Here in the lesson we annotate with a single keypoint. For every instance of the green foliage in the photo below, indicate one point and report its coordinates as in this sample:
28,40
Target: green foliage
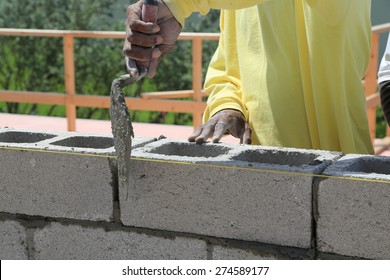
381,124
35,63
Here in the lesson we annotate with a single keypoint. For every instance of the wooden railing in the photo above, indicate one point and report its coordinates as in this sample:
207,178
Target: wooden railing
162,101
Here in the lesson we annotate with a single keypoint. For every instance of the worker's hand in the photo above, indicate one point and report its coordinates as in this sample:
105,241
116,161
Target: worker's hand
149,41
225,121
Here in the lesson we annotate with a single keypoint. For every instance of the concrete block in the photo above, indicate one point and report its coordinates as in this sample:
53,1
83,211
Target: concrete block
67,175
354,208
58,241
86,143
231,191
12,241
21,137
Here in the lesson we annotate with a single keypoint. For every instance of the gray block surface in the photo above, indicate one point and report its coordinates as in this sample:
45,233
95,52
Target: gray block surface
228,253
223,192
67,175
57,241
12,241
56,185
239,250
354,208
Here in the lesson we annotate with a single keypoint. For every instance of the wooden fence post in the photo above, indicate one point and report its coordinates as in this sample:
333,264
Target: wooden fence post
70,83
197,77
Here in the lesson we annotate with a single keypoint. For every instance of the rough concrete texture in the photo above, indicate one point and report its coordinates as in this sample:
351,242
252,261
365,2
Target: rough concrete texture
57,241
219,195
227,253
354,208
56,141
12,241
121,126
60,185
239,250
68,175
85,143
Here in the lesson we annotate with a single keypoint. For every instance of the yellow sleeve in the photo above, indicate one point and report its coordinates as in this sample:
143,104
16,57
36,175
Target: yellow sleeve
333,11
182,9
223,82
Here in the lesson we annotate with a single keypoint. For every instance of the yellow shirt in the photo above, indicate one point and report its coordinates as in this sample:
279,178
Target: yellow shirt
293,68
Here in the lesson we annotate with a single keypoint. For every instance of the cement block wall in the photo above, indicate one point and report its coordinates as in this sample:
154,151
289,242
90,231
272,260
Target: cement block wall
60,199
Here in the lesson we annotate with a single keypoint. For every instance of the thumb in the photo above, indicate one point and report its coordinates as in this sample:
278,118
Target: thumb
247,137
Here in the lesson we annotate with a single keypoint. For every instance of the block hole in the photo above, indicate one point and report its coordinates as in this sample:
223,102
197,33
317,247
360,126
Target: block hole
23,137
291,158
370,165
190,150
86,142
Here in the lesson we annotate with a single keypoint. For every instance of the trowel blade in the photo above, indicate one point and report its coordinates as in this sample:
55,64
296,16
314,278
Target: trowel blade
121,126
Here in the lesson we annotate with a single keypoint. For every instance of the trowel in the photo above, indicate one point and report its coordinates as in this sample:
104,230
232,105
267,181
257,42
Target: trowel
121,126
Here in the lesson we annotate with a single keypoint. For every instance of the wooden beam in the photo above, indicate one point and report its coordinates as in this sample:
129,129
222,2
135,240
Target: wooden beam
197,82
33,97
170,94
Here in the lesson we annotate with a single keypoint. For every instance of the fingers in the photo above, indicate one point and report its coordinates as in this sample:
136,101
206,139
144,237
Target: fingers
144,40
153,64
140,41
202,133
215,128
247,138
231,121
195,134
134,21
137,25
220,129
140,53
246,135
147,41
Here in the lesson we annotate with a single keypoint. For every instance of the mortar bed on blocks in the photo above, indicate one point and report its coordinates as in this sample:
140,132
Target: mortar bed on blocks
98,126
104,127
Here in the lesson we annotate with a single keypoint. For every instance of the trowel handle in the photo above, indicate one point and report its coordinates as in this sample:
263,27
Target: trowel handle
149,14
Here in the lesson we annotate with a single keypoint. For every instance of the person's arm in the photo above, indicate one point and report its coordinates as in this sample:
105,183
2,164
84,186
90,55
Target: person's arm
384,82
225,111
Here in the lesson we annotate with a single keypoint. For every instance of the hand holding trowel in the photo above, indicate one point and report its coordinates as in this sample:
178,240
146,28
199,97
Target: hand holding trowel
122,128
